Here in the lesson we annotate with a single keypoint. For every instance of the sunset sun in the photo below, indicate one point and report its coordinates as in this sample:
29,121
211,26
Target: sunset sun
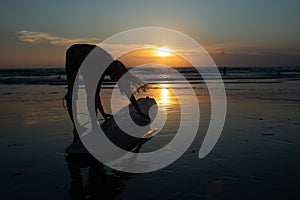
164,52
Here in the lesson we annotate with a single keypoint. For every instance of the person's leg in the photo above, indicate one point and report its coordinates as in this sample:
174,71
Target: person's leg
74,58
92,94
71,71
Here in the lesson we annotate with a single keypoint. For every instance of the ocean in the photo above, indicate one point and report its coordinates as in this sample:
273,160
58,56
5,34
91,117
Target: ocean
57,76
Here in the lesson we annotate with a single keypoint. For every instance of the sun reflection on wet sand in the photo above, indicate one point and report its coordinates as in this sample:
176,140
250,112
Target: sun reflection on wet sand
164,96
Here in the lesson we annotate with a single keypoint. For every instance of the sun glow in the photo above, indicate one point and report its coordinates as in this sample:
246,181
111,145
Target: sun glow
164,52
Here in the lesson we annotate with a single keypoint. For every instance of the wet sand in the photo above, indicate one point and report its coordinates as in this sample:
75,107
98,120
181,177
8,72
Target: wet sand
256,157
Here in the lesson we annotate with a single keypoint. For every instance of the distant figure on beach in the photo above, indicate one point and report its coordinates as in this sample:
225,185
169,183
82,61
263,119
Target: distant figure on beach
75,55
224,70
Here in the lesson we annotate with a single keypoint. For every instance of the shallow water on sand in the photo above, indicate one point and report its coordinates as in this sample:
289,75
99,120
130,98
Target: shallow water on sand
257,155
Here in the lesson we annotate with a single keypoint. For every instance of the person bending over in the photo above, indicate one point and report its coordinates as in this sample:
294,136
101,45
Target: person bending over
75,55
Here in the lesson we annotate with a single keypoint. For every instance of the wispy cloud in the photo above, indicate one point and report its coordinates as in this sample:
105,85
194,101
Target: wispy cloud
40,37
238,48
248,48
253,48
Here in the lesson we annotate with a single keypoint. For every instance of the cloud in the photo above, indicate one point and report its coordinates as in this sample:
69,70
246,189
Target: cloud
40,37
237,48
245,48
254,48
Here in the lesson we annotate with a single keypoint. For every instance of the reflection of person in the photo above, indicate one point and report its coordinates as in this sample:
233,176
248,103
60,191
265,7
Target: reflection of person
75,55
100,184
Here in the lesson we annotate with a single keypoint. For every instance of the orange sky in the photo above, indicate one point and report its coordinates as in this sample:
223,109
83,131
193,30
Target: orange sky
145,56
234,33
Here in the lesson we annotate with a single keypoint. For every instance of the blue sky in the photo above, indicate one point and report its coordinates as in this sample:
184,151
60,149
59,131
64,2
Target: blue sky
256,32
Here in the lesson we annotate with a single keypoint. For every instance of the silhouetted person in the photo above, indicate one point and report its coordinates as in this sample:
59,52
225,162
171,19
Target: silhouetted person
279,72
75,55
224,71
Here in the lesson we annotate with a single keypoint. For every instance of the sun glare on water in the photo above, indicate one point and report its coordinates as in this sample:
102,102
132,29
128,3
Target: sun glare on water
164,52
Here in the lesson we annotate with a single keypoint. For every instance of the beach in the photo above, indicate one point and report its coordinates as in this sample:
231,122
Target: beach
257,155
138,100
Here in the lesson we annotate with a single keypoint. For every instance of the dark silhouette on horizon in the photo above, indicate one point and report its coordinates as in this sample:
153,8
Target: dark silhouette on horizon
224,71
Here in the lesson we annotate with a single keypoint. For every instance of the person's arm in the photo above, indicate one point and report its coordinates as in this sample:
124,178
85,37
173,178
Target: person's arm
116,71
135,105
98,100
138,109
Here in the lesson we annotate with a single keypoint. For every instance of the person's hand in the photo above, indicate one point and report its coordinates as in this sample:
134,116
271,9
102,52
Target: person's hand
107,116
144,116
